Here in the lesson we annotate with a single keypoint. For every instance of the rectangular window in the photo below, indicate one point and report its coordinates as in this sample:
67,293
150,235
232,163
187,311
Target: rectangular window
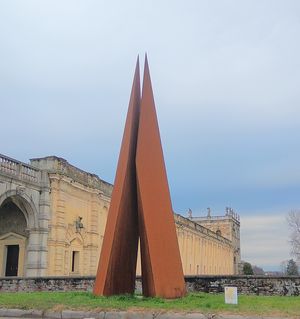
75,261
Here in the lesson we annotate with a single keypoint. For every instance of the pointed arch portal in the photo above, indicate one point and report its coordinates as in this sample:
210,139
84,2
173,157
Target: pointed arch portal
140,209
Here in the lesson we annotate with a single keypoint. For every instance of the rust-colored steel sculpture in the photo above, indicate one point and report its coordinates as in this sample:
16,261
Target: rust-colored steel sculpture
117,264
162,273
141,208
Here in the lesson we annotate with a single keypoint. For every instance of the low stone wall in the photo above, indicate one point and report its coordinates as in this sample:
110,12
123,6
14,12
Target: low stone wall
253,285
258,285
12,284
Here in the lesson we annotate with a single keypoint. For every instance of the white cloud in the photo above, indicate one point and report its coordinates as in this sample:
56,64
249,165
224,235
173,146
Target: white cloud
264,240
225,77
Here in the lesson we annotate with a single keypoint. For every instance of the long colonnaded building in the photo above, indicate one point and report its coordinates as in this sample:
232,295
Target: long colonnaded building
53,216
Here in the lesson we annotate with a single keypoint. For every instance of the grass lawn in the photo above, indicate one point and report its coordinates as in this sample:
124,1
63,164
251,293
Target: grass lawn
194,302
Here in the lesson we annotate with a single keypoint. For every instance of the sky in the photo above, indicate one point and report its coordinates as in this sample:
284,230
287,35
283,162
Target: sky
225,76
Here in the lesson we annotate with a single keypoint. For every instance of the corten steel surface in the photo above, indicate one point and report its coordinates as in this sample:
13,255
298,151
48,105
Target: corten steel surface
141,207
162,273
117,264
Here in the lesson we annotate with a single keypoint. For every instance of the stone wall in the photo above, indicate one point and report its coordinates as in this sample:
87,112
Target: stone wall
253,285
13,284
257,285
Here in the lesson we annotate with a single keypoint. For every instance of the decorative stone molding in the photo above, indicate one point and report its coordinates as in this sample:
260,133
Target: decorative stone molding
60,166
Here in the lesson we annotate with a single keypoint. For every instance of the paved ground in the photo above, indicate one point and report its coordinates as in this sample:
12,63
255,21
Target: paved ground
67,314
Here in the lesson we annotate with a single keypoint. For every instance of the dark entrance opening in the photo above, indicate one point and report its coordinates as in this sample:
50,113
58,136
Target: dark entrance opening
12,260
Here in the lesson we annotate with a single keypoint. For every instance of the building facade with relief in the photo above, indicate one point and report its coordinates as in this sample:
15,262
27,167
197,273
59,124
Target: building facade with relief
53,216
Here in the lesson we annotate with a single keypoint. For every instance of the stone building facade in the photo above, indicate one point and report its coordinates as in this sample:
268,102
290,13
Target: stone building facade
24,219
227,226
53,216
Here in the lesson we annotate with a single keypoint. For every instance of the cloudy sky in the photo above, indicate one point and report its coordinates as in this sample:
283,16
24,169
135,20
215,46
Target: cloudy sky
226,78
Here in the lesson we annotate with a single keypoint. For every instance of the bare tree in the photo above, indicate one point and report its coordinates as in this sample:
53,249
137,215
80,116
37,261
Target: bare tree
293,220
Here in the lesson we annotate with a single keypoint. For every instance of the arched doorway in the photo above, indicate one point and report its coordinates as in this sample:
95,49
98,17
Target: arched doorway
13,239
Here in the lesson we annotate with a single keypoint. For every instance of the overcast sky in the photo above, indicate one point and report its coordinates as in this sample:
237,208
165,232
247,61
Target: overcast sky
225,76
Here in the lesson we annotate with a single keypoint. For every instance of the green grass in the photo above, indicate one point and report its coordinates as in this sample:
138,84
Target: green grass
194,302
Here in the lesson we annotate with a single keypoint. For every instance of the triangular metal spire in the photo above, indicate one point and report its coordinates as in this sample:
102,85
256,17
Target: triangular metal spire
117,264
162,273
141,207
